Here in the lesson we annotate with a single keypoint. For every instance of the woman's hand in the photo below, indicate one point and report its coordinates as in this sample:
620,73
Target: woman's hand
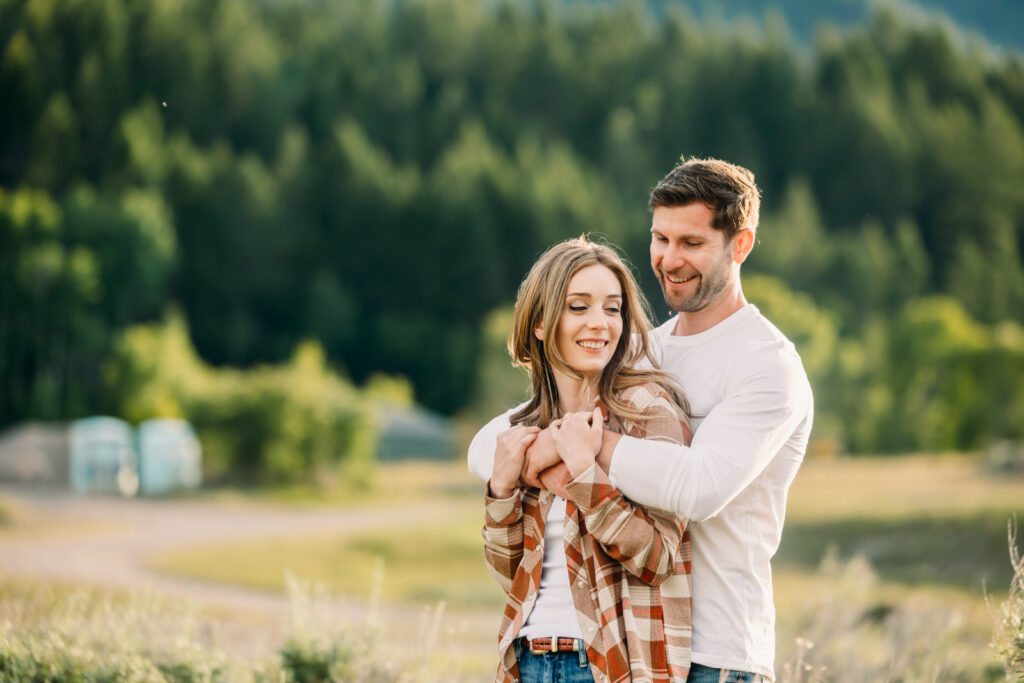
509,456
577,439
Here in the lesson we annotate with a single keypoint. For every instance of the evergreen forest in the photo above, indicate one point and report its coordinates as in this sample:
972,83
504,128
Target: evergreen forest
235,195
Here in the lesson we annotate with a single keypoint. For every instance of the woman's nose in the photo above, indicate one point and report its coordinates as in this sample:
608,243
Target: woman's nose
597,320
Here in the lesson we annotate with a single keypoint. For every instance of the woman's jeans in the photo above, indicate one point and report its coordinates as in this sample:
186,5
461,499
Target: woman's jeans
553,667
705,674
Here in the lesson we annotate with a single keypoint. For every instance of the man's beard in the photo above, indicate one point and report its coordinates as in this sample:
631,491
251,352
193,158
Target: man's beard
710,286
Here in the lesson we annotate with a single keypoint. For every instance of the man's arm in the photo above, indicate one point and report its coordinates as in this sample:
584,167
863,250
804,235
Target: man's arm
733,445
481,450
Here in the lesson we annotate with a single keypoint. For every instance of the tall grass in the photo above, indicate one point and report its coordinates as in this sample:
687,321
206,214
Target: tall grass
83,636
851,630
1008,632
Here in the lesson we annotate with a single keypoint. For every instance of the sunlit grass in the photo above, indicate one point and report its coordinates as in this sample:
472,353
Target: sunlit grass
900,487
6,513
421,562
879,577
919,520
383,484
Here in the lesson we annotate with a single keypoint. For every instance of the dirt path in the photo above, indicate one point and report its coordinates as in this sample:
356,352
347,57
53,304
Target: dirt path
106,542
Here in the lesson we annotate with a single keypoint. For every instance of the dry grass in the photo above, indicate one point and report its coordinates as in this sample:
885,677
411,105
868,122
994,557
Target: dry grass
879,577
1008,631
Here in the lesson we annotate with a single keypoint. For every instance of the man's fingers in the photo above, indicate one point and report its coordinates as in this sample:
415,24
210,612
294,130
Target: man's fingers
531,478
556,478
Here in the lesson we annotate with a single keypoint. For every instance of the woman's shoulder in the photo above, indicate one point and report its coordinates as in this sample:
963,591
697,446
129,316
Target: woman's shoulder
643,396
663,419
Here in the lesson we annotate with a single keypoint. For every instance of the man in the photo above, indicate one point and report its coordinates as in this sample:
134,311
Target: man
752,410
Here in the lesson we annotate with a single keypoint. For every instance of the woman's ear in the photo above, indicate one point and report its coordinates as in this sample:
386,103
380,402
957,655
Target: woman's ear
538,331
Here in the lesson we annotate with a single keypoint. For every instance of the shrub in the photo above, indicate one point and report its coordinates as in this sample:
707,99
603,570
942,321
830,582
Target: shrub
272,423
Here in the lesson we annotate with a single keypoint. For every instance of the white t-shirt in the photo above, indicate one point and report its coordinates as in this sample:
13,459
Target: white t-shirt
553,613
752,408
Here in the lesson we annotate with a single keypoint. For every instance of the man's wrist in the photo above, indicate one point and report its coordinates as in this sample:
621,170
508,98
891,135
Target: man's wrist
608,443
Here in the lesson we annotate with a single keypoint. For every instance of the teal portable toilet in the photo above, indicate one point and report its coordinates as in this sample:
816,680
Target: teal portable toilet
101,457
170,457
414,433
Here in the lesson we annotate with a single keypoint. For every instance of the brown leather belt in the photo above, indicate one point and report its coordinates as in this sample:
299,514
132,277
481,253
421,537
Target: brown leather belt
543,646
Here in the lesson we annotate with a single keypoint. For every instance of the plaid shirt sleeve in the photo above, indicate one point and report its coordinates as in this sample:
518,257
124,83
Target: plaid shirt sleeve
503,536
644,542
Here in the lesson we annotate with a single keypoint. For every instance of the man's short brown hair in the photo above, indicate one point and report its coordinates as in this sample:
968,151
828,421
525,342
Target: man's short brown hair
727,189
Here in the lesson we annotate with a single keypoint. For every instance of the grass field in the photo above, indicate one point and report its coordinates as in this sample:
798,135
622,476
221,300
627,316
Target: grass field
881,576
884,563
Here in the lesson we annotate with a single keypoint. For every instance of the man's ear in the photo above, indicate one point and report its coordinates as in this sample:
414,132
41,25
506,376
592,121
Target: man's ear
742,244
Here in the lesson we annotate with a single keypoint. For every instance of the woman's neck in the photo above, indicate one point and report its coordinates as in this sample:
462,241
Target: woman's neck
575,394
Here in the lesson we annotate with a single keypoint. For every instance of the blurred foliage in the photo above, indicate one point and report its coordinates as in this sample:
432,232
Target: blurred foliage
379,176
281,423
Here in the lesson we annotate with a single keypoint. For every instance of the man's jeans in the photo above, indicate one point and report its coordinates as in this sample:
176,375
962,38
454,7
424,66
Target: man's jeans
705,674
553,667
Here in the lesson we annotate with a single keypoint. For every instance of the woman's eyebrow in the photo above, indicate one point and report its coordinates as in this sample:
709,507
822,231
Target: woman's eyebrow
588,295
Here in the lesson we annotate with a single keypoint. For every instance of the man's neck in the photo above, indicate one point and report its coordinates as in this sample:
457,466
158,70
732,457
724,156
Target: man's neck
696,322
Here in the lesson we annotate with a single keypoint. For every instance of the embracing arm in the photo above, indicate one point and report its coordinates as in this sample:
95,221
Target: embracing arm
735,443
481,450
645,543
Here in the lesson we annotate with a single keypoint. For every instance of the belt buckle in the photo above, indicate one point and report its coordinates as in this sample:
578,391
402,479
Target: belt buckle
553,647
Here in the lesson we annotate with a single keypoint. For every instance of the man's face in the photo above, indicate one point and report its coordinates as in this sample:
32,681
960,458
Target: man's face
693,263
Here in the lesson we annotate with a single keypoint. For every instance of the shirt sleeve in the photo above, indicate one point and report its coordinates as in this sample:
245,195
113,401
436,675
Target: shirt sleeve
481,450
733,445
503,537
644,542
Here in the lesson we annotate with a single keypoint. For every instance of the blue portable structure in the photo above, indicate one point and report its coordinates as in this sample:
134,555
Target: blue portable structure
170,457
414,433
102,459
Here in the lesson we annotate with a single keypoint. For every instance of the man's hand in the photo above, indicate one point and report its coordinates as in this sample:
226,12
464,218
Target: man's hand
555,478
540,455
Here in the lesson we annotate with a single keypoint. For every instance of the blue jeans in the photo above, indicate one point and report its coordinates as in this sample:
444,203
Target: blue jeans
553,667
705,674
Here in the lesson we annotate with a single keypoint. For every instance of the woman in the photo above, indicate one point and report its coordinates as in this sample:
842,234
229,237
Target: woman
598,588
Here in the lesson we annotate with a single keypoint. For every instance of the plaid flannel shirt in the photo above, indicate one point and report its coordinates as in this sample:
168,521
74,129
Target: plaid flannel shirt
629,567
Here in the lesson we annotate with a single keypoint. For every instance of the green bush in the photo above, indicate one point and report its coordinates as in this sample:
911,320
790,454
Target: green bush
281,423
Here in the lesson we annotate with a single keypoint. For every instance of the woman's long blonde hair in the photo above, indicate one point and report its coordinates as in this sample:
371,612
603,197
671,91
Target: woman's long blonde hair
541,301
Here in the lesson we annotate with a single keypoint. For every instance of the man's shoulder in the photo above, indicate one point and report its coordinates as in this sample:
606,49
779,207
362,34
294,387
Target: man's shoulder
763,342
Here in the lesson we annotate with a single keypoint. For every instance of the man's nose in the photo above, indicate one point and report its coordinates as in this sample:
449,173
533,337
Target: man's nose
673,258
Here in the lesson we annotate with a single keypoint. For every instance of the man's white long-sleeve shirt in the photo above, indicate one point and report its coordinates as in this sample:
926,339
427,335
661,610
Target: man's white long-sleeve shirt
752,409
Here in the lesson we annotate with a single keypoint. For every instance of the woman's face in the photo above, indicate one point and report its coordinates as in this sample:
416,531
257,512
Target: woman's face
591,321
